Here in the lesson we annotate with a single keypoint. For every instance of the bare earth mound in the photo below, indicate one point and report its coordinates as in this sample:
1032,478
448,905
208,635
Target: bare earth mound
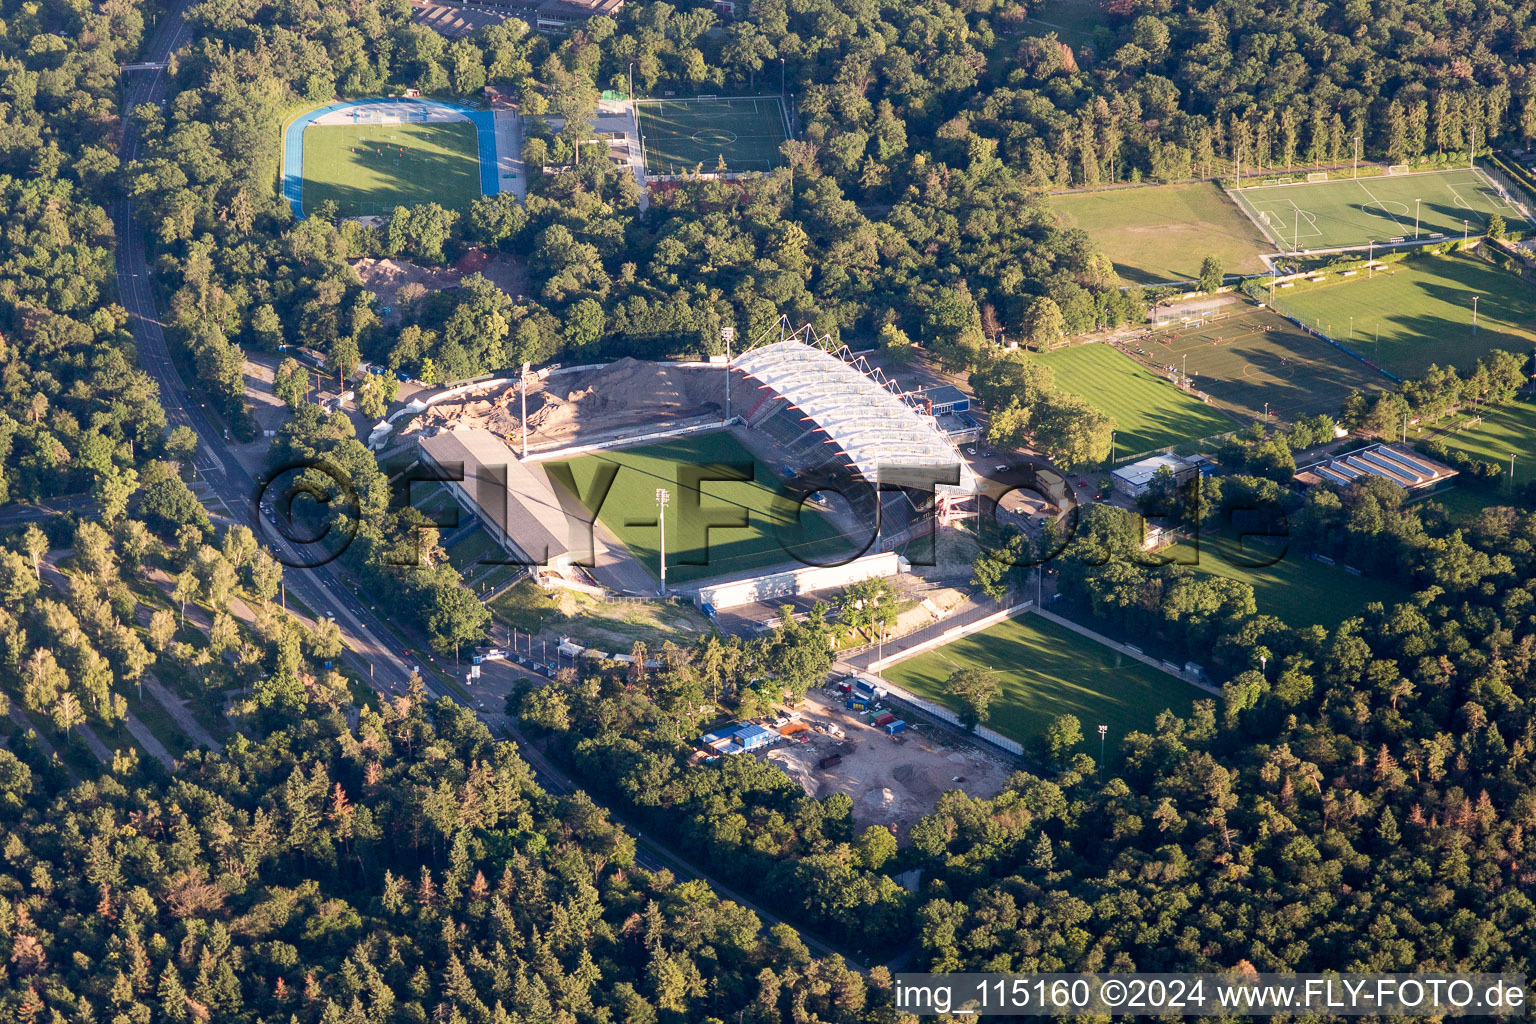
629,395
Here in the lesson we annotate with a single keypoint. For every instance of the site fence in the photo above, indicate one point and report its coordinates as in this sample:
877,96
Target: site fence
947,716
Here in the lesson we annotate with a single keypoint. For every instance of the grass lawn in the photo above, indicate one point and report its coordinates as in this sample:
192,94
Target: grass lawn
1423,309
1162,232
529,608
1149,413
1508,430
1257,360
1300,590
1047,670
764,532
1511,429
525,606
680,134
373,168
1329,214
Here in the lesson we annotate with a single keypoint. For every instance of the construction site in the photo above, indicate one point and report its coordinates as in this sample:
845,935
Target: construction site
585,405
891,779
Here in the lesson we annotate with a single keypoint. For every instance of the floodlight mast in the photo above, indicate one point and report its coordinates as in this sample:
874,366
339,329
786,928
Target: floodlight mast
727,335
663,497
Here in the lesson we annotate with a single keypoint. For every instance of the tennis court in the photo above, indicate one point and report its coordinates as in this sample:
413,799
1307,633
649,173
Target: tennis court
1257,358
679,135
1393,208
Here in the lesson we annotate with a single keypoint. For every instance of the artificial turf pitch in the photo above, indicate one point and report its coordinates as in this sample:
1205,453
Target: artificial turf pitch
1256,360
771,538
1149,413
370,169
1162,233
1047,670
682,134
1357,211
1422,308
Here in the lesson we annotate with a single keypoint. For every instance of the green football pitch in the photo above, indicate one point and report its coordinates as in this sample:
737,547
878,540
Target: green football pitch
1391,208
1286,582
1047,670
771,536
371,169
1163,232
1149,413
1422,309
1255,363
679,135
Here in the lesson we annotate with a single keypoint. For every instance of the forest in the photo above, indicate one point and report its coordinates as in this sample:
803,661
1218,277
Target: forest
1356,798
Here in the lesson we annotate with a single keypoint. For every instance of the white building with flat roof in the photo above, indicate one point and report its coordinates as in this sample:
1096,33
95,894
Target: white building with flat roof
1133,480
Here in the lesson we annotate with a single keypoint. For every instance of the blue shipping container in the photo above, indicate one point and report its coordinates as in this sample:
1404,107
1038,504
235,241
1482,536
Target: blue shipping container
895,727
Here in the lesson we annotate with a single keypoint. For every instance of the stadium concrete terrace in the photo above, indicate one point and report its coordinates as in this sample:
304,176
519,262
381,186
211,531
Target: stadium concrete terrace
871,425
385,110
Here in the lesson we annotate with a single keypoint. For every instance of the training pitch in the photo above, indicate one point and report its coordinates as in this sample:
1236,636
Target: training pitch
1150,413
771,537
370,169
1287,582
1047,670
679,135
1392,208
1247,359
1422,308
1163,232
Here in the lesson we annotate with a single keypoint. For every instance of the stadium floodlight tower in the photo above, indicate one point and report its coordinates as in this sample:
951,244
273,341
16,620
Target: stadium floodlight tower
727,335
663,497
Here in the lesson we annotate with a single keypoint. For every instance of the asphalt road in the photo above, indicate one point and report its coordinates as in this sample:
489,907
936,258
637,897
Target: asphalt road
15,515
372,649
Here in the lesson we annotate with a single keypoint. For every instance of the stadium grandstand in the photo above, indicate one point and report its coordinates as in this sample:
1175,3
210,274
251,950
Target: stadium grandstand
837,418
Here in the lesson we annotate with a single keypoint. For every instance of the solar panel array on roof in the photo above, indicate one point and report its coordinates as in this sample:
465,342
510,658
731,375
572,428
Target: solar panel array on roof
1414,464
1402,474
1379,460
1328,473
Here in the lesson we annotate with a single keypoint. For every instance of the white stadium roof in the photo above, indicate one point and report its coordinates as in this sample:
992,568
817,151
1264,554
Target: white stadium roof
869,423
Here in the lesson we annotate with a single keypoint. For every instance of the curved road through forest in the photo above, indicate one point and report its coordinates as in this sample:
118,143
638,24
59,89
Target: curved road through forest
373,650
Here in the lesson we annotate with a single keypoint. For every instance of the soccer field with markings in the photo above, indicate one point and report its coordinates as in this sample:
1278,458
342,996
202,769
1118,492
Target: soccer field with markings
1149,412
774,529
1047,670
1419,312
373,168
1391,208
681,134
1256,359
1161,233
